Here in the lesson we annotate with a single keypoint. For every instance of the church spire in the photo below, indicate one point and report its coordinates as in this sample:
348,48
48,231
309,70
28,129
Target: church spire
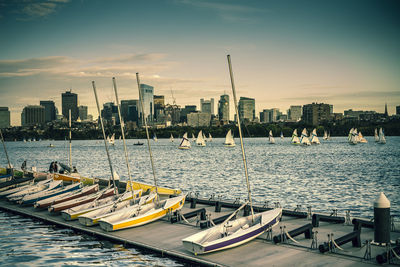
386,112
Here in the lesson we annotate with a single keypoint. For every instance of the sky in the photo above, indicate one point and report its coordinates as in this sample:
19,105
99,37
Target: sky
343,52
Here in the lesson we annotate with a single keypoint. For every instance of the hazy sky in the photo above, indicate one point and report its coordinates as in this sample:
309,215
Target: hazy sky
345,53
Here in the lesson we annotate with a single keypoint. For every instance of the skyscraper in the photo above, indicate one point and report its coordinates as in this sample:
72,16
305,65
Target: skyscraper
266,116
83,112
294,113
129,110
247,108
109,113
147,93
70,102
159,106
4,117
32,115
223,108
207,106
49,110
315,113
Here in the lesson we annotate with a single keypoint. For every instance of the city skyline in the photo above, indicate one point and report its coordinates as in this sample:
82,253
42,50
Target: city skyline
344,53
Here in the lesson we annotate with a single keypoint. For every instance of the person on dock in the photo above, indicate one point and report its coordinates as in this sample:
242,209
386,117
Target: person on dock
51,168
23,166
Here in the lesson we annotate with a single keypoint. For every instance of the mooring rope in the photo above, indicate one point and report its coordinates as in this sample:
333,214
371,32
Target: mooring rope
288,235
394,253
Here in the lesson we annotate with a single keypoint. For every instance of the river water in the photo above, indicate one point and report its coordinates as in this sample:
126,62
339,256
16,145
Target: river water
333,175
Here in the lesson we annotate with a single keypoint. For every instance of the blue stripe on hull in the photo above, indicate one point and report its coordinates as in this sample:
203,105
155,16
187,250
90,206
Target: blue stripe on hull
240,238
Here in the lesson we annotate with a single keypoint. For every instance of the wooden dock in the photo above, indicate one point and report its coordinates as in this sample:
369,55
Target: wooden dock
164,238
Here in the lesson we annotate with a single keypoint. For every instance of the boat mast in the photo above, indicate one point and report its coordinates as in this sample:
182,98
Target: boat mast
5,149
147,135
241,137
105,140
123,135
70,144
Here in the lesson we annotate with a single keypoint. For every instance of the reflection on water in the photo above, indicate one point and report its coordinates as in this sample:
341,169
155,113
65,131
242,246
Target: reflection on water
24,241
333,175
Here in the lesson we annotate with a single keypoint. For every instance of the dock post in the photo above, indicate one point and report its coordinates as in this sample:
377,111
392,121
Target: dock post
382,219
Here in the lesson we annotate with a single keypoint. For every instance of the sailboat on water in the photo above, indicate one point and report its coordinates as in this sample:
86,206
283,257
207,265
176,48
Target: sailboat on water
361,138
193,138
171,138
232,233
229,141
382,139
304,138
295,138
155,139
314,137
282,135
185,143
376,136
271,138
325,135
353,137
200,139
111,140
209,138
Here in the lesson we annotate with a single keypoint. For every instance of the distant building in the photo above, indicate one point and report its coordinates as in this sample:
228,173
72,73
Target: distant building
356,114
207,106
109,113
32,115
147,93
185,111
247,108
49,110
4,117
315,113
223,108
397,110
172,114
70,102
159,105
294,113
266,116
129,110
83,113
198,119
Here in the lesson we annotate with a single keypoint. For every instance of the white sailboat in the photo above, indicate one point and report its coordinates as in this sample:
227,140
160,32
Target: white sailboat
271,138
304,138
295,138
361,138
185,143
111,140
229,141
232,233
282,135
325,135
155,139
382,139
193,138
209,138
171,138
200,139
376,136
353,136
314,137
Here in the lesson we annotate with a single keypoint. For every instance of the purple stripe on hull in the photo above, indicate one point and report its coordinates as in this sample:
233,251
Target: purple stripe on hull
240,238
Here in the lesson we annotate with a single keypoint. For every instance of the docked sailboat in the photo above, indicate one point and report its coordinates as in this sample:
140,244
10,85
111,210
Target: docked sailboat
295,138
376,136
185,143
382,139
31,199
50,184
361,138
147,213
314,138
200,139
271,138
232,233
229,141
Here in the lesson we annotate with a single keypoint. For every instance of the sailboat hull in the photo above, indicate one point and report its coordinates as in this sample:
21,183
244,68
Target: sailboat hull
225,240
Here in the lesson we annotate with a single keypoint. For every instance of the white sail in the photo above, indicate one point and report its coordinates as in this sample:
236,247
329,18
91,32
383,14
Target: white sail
111,140
314,137
200,139
185,143
171,138
361,138
353,136
271,138
295,138
304,139
229,141
376,135
193,138
209,138
155,137
282,135
382,139
325,135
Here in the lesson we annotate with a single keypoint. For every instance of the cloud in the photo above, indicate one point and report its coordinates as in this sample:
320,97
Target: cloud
31,9
128,58
228,11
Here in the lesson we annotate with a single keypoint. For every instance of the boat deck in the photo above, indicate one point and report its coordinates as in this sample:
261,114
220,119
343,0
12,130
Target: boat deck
164,237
